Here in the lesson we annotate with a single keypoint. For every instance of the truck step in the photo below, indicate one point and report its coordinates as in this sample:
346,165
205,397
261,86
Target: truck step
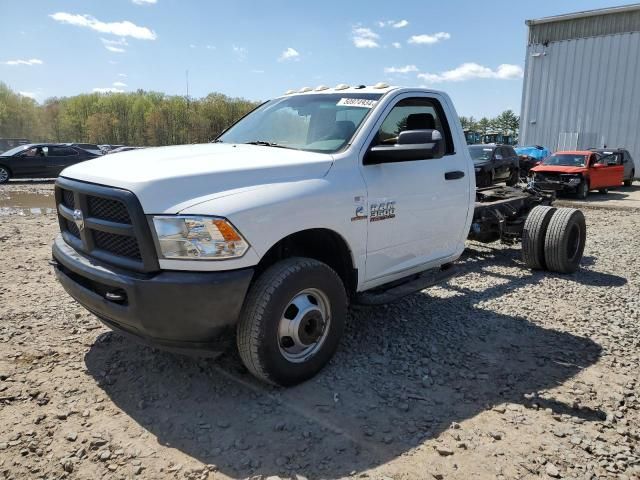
413,284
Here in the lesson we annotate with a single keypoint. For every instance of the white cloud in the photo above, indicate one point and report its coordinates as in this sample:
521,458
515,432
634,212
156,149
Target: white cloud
116,46
289,54
211,47
364,37
123,75
257,71
31,62
405,69
396,45
468,71
108,90
121,29
426,39
240,52
28,94
145,2
119,84
393,23
192,45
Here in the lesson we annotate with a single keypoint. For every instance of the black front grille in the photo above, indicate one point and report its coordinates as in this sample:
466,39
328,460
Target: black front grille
118,244
72,228
107,209
113,229
68,200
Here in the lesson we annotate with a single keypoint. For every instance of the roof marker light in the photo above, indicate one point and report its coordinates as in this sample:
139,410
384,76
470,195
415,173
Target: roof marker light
305,89
289,92
381,85
320,88
341,86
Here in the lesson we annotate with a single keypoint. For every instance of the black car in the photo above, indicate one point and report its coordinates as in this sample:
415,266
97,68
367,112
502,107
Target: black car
622,157
40,160
495,163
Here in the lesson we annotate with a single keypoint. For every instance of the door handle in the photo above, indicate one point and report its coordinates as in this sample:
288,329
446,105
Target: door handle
455,175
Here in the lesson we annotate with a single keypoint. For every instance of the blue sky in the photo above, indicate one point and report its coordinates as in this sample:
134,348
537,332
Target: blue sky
258,49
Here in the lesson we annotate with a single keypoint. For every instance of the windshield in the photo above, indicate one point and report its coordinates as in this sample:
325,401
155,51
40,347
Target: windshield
317,123
480,154
565,160
15,150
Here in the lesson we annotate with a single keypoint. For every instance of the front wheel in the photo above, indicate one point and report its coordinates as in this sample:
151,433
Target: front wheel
603,191
292,321
583,189
629,182
4,175
514,177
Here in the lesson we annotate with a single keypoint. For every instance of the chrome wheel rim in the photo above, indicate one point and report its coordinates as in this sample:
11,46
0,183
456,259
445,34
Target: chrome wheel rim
304,325
4,175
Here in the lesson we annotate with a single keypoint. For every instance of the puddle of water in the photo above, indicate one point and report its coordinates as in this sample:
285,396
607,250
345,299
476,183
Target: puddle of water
26,203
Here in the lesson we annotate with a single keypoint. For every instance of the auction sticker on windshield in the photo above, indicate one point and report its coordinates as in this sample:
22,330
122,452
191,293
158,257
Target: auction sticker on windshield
357,102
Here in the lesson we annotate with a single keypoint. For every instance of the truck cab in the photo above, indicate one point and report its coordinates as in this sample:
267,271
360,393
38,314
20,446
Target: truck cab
314,200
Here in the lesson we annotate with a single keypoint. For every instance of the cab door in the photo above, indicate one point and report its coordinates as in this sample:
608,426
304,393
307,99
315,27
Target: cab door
59,158
607,171
417,210
30,163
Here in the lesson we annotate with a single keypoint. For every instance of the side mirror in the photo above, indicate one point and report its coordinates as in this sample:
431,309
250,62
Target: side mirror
412,145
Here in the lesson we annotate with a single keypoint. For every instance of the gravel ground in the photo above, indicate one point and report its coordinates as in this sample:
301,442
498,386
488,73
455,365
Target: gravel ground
501,373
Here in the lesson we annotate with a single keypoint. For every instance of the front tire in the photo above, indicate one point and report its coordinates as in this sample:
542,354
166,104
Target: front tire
5,175
629,182
603,191
514,177
583,189
292,321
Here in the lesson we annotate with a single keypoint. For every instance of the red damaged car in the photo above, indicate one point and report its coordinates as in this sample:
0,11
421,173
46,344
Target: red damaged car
578,172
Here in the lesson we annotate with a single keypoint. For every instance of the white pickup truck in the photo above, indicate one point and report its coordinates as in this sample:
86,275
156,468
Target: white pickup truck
314,200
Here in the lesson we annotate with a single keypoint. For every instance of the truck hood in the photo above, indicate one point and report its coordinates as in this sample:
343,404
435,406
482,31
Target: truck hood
558,169
170,179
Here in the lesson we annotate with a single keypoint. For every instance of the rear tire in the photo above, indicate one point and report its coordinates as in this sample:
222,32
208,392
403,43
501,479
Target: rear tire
565,240
582,191
278,342
5,175
603,191
533,236
629,182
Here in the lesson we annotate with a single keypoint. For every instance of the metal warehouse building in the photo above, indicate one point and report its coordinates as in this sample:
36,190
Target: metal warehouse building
582,81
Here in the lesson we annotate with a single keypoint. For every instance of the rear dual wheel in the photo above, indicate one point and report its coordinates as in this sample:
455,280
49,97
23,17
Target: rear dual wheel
554,239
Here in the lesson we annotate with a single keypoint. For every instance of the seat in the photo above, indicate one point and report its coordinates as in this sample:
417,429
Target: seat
421,121
343,130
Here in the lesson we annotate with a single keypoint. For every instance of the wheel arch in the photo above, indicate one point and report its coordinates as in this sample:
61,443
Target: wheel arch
322,244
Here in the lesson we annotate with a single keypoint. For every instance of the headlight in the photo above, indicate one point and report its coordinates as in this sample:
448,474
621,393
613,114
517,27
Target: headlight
198,238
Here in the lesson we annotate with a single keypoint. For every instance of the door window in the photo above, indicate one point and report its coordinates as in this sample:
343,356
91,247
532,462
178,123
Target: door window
35,152
414,114
62,152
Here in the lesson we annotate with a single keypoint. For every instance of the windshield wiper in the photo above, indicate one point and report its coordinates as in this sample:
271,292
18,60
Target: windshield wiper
267,144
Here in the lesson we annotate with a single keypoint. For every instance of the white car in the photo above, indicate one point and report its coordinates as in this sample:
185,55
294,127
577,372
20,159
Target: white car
315,200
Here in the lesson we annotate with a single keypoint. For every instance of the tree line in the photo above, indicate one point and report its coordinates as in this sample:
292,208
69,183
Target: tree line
147,118
137,118
506,123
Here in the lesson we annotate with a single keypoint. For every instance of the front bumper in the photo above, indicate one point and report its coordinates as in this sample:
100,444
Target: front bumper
189,312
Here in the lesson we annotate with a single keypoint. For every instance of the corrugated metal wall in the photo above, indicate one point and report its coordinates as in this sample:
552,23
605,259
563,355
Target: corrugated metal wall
592,26
584,92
